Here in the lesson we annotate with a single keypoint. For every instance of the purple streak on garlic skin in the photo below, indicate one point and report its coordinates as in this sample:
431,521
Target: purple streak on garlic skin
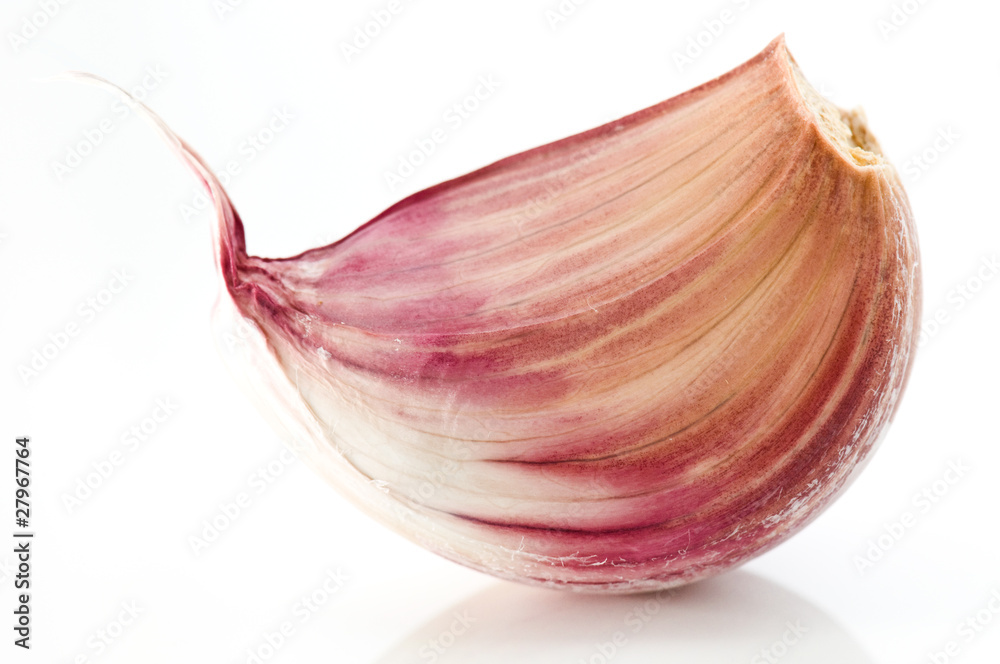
626,360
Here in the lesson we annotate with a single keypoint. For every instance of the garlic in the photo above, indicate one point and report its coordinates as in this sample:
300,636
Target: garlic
627,360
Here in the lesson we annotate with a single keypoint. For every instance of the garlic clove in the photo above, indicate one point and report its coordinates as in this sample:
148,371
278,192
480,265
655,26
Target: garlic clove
626,360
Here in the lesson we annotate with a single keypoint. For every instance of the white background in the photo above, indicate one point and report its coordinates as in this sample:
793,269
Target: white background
224,73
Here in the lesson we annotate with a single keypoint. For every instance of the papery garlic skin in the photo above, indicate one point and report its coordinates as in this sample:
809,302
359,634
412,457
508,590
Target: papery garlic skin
623,361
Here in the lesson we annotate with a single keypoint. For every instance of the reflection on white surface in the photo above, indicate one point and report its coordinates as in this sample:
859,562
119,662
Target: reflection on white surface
737,617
